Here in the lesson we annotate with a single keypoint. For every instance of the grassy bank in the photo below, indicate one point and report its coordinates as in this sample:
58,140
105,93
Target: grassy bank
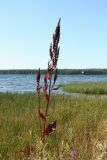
77,123
86,87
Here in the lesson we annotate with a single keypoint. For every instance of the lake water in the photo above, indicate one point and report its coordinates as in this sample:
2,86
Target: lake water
27,83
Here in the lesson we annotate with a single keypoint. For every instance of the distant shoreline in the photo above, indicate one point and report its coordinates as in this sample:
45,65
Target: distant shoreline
60,71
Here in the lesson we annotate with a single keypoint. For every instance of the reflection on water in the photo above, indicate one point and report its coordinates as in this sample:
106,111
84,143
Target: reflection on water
27,83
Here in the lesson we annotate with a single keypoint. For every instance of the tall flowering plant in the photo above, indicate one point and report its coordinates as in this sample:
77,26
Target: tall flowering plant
50,78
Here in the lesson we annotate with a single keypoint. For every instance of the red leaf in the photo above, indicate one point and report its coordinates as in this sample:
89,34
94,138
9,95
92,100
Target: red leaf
42,116
50,128
47,76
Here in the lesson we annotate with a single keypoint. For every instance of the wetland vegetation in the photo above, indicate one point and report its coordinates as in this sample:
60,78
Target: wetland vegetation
86,87
78,122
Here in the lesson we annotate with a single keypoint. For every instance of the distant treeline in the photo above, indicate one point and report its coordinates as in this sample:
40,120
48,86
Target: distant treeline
60,71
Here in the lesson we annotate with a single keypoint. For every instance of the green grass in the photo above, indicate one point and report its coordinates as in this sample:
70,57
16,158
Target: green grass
77,123
87,88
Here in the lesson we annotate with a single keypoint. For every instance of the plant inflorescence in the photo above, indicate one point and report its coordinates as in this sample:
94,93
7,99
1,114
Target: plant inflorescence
50,78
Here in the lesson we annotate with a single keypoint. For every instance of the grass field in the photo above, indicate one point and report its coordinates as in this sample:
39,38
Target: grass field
78,120
87,87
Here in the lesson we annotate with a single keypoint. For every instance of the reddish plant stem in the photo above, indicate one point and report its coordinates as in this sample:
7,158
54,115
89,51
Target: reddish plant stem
47,107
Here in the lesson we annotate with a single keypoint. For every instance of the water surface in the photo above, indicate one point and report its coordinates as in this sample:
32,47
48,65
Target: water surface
27,83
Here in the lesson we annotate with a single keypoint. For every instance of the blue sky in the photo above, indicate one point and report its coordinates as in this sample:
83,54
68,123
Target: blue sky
26,28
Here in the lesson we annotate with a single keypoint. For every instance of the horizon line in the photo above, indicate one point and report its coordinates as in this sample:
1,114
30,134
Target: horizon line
58,69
